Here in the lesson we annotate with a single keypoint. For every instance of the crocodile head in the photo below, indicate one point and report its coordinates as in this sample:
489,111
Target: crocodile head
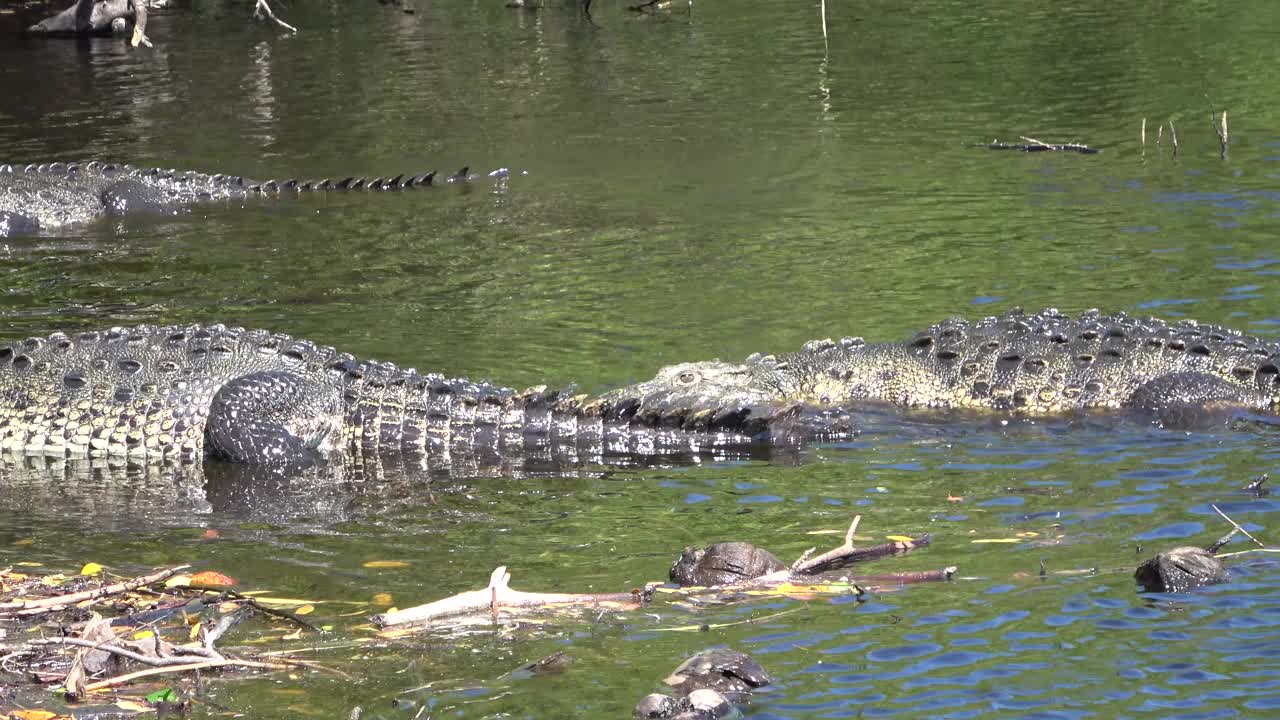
708,396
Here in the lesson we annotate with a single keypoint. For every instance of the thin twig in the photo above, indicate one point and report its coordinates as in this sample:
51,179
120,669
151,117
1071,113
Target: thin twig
1237,526
117,650
124,679
1173,136
1144,137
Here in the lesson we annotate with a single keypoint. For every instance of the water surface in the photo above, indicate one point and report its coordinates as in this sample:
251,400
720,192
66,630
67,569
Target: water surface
687,186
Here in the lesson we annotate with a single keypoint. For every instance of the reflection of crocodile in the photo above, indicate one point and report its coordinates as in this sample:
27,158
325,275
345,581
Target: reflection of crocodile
257,397
48,196
1045,364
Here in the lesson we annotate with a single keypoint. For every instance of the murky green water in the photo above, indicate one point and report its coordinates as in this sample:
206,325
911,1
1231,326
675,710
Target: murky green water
685,187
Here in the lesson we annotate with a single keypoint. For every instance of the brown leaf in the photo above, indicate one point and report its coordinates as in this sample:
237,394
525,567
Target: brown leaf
209,577
97,630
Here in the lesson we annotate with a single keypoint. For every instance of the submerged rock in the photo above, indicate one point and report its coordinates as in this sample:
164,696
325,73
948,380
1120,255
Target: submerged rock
657,705
706,686
1180,570
725,563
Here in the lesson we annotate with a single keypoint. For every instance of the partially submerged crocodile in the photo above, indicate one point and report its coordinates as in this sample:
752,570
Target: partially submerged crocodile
257,397
53,195
1182,374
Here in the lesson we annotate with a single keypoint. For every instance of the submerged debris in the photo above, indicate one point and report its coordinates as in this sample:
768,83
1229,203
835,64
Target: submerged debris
1180,570
705,685
1033,145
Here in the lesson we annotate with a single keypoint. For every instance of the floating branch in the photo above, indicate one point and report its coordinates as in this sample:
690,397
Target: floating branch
499,595
58,602
732,567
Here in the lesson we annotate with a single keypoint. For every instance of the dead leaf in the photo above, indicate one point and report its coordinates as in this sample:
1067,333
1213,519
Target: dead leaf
133,706
211,534
295,635
96,630
209,577
304,610
382,599
178,581
955,498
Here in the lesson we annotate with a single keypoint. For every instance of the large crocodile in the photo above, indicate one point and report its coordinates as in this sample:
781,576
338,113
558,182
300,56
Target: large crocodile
1183,374
53,195
258,397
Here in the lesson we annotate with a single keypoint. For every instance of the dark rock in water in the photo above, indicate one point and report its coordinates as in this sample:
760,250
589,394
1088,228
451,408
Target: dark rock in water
656,705
1179,570
728,672
704,704
707,703
724,563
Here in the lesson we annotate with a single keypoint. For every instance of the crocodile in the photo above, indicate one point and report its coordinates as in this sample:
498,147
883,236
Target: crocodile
1184,374
48,196
254,396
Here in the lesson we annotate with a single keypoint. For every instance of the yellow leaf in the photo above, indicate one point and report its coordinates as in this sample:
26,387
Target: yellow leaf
32,714
900,538
385,564
30,564
382,599
178,581
92,568
133,706
293,635
194,633
327,628
304,610
142,635
996,540
24,541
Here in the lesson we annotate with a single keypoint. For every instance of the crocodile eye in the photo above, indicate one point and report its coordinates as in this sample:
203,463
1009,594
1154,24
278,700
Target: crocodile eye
687,378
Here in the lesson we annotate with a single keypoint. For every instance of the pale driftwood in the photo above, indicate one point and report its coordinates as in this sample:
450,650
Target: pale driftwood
49,604
262,10
493,598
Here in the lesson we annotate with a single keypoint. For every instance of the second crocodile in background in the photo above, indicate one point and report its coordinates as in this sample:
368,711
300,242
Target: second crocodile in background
49,196
1182,375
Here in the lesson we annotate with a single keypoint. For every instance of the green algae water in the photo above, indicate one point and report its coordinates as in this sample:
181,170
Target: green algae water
683,186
